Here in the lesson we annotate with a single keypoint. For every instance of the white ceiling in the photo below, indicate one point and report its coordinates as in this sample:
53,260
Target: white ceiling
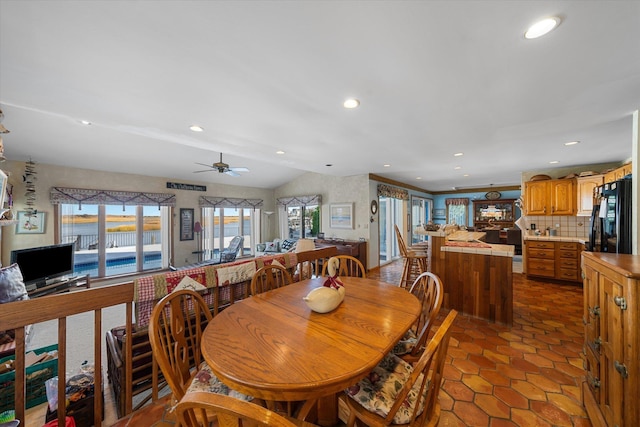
433,77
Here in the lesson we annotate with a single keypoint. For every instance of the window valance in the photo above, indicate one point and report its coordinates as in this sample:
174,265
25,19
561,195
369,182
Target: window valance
385,190
315,199
229,202
459,201
59,195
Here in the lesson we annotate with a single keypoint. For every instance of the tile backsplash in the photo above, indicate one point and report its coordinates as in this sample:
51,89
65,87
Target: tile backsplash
566,226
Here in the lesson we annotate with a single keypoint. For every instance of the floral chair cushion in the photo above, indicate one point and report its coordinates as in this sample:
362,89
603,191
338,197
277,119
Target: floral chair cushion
206,380
377,392
406,343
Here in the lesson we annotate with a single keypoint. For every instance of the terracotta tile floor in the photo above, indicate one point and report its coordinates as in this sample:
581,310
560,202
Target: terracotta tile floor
497,376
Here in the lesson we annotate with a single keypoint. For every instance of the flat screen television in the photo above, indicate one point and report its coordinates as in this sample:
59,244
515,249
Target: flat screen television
44,263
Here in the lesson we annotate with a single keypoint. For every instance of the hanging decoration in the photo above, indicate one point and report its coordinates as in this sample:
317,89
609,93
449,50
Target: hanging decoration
29,178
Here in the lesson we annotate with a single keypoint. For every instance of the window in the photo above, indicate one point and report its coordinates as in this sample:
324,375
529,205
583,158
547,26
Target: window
457,211
220,225
111,240
304,221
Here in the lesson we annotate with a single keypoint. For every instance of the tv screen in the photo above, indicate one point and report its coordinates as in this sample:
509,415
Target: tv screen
43,263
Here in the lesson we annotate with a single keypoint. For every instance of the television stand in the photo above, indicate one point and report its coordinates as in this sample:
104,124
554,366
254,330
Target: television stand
61,285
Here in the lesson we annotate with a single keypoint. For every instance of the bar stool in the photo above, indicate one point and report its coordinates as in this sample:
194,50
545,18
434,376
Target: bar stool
416,261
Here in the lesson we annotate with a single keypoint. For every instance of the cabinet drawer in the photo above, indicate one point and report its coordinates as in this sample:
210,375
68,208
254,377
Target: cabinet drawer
541,267
539,244
568,263
568,274
563,253
540,253
568,246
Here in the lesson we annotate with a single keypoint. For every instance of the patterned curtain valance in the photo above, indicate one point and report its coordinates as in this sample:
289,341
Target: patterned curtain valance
300,200
60,195
459,201
229,202
385,190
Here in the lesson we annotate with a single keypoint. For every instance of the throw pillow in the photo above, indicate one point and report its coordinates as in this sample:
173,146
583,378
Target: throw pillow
12,285
271,247
287,244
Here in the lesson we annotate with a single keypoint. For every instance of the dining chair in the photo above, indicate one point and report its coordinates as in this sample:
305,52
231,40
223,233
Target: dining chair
269,277
428,289
415,261
229,411
396,392
349,266
176,326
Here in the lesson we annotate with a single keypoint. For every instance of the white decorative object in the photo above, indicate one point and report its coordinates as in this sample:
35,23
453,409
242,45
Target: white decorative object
324,299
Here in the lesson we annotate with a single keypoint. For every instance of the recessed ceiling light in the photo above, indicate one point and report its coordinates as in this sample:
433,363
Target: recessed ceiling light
328,165
387,165
553,162
85,122
196,128
457,168
418,177
458,154
466,174
279,152
542,27
351,103
572,143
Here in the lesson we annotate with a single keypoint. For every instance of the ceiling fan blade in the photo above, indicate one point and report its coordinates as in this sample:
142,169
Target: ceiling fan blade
203,164
207,170
239,169
232,173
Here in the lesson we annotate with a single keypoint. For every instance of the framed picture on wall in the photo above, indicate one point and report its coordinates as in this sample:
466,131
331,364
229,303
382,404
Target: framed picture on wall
31,223
341,215
186,224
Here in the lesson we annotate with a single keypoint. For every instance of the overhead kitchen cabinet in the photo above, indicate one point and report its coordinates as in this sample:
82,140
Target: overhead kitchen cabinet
586,187
550,197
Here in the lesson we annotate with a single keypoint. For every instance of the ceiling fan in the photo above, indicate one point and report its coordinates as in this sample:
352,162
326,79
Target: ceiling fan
222,167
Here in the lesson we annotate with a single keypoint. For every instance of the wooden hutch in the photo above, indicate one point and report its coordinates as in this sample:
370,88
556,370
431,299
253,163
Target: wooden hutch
491,213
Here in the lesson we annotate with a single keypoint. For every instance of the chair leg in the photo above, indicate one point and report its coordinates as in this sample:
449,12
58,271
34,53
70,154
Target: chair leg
405,280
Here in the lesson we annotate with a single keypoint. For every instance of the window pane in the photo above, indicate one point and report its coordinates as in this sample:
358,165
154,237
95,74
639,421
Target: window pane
152,238
120,240
311,221
81,227
457,214
294,214
247,215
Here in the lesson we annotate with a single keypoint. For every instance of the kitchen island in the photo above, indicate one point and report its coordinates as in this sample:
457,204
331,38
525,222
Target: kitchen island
476,276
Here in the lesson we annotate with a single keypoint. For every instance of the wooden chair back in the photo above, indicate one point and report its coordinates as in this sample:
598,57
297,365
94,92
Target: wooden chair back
401,245
229,412
175,332
349,267
428,289
427,374
269,277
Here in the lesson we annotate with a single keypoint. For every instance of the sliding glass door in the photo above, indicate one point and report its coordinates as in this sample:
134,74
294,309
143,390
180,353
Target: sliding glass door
390,213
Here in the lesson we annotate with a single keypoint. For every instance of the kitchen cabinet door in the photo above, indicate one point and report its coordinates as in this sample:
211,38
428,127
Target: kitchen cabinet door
585,189
537,197
563,196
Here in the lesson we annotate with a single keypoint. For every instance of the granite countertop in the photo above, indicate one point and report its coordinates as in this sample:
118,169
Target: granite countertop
557,239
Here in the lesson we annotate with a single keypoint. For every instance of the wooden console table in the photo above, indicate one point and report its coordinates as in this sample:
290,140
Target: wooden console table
355,248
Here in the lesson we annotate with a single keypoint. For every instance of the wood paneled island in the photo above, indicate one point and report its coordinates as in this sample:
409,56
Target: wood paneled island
476,276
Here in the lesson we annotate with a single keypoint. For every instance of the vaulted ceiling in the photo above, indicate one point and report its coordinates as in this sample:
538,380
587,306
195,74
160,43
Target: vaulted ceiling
433,78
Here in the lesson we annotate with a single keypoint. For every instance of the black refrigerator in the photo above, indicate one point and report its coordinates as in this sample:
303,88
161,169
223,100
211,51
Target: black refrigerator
611,218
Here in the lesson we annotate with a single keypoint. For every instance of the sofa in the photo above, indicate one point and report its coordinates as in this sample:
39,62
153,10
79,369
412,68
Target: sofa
224,284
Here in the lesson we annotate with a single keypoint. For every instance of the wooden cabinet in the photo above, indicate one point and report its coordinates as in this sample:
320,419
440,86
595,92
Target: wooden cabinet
552,197
618,173
585,189
554,260
610,316
355,248
541,258
493,212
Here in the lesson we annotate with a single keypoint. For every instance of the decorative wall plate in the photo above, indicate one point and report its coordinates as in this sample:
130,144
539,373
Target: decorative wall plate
374,207
492,195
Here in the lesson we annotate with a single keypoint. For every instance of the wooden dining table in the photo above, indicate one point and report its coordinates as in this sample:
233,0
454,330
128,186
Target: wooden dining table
272,346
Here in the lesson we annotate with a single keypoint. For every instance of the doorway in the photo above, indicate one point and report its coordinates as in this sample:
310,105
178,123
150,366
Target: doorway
391,212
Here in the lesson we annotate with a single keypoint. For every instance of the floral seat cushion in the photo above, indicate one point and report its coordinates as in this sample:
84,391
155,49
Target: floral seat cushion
406,343
206,380
378,391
